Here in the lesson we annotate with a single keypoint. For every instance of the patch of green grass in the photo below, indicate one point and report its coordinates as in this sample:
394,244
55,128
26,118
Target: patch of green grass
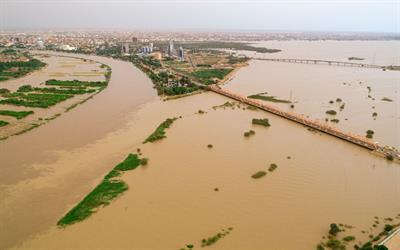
370,133
225,105
331,112
65,91
207,74
387,99
3,123
263,122
131,162
388,228
25,88
335,120
75,83
106,191
101,196
16,114
4,91
349,238
272,167
213,239
263,97
159,133
34,99
249,133
259,174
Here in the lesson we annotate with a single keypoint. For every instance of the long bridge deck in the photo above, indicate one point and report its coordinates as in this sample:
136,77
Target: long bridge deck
323,127
324,62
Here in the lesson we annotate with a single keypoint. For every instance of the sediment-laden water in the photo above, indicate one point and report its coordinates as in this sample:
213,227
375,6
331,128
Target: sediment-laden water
172,202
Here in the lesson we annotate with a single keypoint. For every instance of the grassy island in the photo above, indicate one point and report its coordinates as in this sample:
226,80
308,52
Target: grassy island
249,133
272,167
370,133
387,99
355,58
259,174
213,239
262,96
331,112
159,133
101,196
263,122
3,123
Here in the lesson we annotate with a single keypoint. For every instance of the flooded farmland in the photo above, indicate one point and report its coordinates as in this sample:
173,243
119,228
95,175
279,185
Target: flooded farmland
173,201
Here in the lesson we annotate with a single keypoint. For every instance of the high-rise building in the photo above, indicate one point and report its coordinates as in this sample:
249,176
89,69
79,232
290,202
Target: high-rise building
181,54
125,49
171,49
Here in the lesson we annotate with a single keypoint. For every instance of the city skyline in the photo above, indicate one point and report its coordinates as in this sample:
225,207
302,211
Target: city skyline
327,15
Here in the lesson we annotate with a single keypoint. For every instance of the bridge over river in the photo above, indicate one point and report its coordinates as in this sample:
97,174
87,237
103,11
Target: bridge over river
320,126
323,62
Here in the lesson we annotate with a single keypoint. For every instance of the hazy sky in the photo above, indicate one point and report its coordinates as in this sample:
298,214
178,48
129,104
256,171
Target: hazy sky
300,15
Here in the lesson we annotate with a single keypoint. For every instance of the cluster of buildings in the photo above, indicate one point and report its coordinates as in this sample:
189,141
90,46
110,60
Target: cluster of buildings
91,42
147,49
175,53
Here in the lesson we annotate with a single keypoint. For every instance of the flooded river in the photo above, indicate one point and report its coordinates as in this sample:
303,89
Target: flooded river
172,202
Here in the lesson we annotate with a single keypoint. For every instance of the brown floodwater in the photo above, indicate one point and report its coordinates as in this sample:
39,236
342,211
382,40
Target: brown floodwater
172,201
23,213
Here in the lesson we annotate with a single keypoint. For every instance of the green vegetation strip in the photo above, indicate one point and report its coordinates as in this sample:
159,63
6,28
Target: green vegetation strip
213,239
259,174
272,167
387,99
159,133
63,91
75,83
249,133
34,99
263,97
16,114
210,240
263,122
101,196
3,123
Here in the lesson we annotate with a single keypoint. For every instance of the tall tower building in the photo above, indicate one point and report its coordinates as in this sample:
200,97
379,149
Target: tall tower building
125,49
170,49
181,54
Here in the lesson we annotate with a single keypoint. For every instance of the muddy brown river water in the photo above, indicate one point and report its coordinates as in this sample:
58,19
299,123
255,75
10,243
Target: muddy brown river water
172,201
